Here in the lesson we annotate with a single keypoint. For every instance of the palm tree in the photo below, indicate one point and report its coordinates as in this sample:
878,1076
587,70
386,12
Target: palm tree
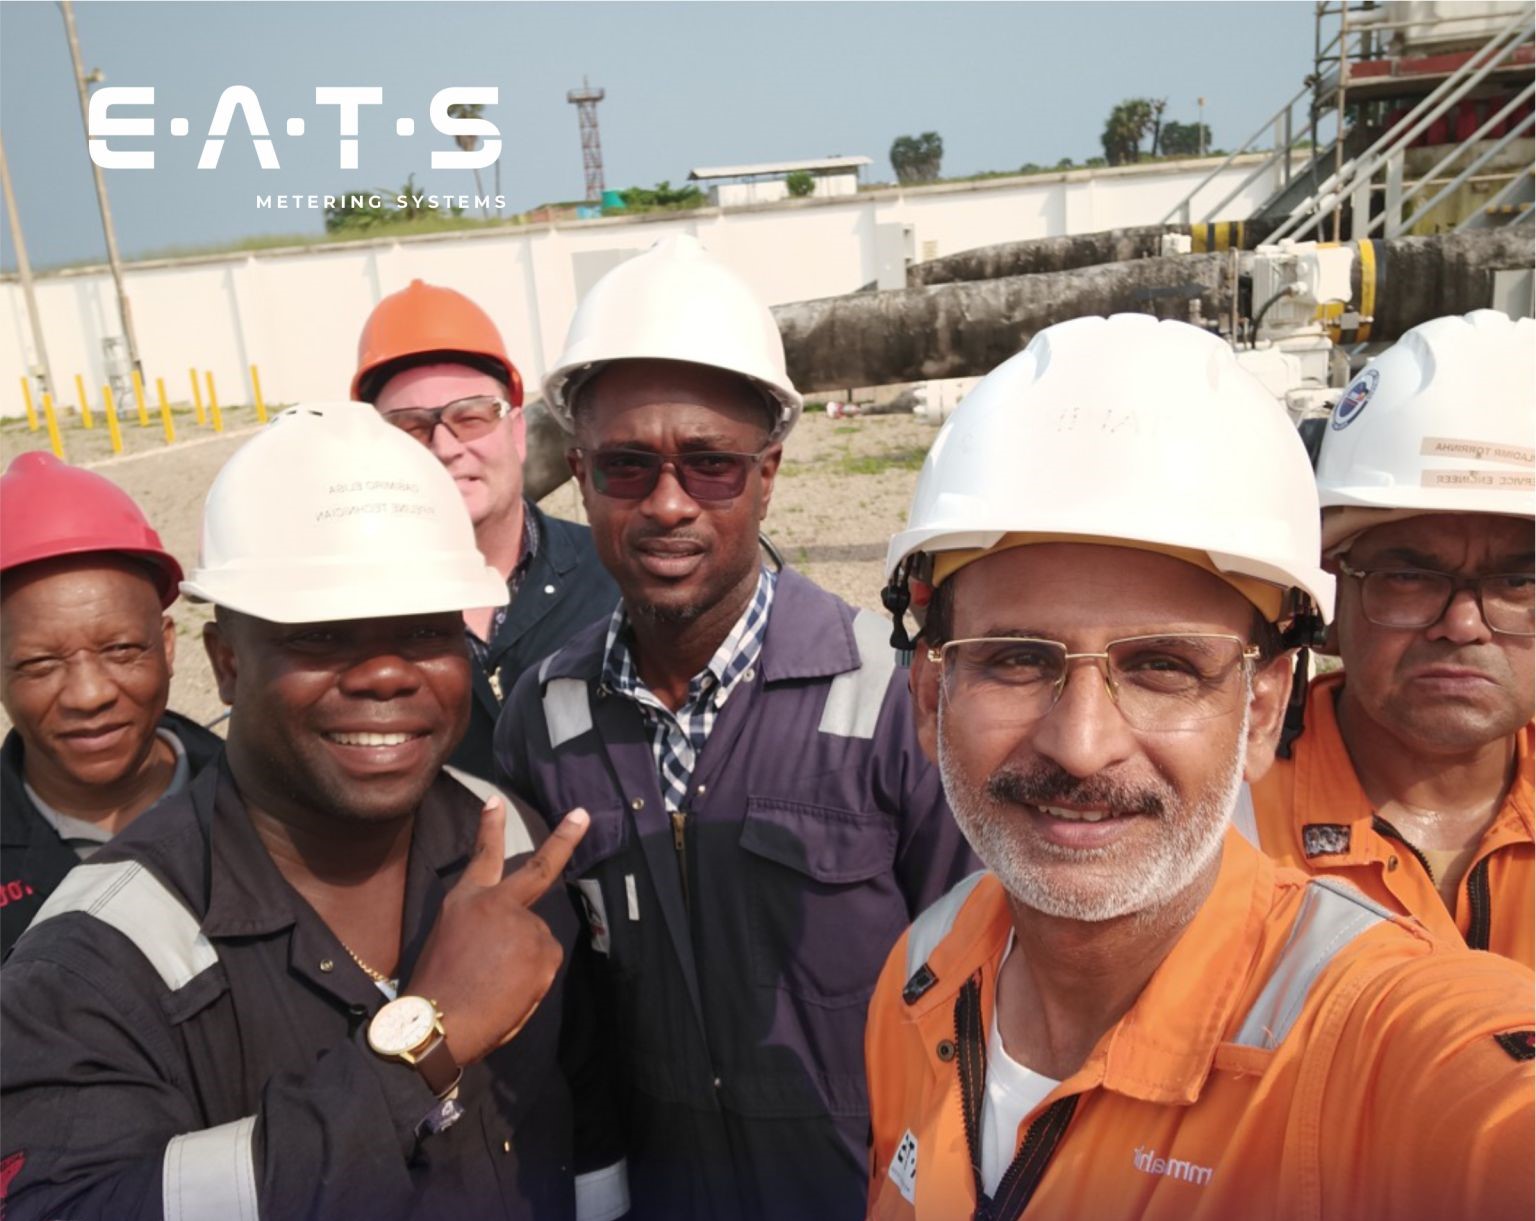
469,110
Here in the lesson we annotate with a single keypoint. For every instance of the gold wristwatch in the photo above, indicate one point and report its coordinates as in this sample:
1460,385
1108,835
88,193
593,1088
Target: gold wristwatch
410,1029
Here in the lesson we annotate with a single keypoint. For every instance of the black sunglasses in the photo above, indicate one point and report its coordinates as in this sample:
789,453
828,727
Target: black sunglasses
632,474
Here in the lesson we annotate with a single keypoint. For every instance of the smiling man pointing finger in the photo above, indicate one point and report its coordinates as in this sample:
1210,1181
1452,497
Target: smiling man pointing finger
331,979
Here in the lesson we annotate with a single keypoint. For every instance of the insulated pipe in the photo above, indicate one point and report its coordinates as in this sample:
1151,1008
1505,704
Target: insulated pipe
544,468
1045,254
967,329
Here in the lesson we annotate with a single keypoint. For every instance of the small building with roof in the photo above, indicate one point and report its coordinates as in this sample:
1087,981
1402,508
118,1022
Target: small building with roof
735,186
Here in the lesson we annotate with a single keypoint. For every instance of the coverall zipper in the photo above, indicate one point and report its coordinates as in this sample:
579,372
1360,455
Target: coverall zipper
1017,1186
680,846
1480,900
1479,897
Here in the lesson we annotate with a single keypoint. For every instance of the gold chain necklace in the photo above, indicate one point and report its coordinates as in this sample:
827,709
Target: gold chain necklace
378,977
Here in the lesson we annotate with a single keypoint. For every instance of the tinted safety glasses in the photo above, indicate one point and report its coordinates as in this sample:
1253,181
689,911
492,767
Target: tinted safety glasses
467,419
632,474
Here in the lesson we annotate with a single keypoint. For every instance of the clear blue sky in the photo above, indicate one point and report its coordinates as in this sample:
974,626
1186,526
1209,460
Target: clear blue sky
688,84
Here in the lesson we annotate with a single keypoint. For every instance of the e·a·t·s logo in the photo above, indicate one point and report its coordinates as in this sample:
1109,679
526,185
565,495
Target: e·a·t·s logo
349,100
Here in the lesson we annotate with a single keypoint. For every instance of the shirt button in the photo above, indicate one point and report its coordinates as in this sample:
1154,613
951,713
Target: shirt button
637,804
946,1050
1391,864
327,965
549,589
749,673
701,790
717,1083
506,1146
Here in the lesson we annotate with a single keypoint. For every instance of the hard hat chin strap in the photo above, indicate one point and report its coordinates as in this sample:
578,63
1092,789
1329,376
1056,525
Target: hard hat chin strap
896,597
1305,630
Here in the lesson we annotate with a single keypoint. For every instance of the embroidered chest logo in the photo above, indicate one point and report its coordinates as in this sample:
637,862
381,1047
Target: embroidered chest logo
15,892
1324,839
903,1171
1148,1162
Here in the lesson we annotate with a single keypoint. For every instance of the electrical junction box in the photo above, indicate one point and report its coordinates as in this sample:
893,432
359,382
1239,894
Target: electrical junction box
1293,282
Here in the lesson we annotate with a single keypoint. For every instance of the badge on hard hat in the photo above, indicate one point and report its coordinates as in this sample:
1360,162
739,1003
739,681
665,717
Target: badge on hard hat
1352,402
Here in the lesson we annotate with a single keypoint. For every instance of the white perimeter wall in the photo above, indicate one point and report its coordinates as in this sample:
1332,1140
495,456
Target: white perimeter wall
296,313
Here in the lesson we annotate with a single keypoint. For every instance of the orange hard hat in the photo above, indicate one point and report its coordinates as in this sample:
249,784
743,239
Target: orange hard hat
52,509
423,320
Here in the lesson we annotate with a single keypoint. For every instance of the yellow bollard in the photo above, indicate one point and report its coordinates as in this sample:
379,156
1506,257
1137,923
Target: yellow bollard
53,428
197,397
165,412
109,407
85,403
261,408
214,413
26,396
138,397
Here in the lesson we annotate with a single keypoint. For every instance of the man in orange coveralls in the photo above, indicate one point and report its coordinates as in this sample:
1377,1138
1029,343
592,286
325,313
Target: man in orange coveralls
1133,1013
1412,778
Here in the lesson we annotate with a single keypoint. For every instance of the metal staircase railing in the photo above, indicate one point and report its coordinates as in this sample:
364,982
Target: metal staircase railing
1282,124
1353,181
1517,196
1392,216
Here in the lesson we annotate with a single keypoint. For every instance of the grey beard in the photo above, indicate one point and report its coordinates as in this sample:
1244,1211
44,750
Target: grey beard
1193,830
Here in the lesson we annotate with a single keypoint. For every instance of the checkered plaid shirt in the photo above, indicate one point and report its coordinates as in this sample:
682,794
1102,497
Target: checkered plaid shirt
678,737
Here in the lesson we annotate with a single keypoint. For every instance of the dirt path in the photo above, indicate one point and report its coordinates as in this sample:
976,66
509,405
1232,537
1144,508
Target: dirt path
843,490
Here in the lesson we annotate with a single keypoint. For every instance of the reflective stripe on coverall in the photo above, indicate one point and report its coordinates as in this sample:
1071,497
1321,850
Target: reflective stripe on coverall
1299,1053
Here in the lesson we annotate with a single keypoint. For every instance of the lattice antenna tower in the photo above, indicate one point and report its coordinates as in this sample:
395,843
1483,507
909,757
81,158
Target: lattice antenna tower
585,100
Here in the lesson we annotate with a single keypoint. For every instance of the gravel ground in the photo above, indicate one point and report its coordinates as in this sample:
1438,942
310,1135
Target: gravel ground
843,490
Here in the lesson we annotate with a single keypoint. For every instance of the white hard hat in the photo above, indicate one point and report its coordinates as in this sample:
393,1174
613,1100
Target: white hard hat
1125,429
675,302
330,513
1441,422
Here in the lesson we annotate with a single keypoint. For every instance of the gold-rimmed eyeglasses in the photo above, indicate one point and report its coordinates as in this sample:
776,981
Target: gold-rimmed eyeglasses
1159,682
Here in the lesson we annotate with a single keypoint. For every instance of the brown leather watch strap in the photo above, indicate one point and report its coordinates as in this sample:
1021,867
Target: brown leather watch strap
438,1068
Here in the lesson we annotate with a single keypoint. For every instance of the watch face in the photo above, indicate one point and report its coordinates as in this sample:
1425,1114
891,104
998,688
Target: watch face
401,1026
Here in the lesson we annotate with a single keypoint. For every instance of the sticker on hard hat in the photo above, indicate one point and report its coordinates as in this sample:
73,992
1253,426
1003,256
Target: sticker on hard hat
1498,481
1480,451
1352,402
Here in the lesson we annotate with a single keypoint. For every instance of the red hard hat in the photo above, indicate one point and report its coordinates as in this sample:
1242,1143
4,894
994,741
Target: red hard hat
51,509
423,320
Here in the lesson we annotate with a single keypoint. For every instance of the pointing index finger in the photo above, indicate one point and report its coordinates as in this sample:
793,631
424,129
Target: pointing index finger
531,880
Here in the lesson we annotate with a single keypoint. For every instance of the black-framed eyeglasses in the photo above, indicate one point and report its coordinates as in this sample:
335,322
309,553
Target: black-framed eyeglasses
1159,683
1418,597
706,475
467,419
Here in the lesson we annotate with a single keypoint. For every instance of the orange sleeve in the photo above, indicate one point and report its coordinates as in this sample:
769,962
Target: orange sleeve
1436,1069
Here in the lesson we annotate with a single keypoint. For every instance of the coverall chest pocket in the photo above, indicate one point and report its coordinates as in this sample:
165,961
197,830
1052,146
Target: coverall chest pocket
597,878
824,904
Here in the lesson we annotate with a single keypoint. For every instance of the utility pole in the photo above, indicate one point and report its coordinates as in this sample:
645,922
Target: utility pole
83,84
24,270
